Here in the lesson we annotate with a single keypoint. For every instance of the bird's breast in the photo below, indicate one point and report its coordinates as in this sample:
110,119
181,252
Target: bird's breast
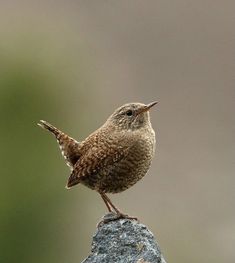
122,174
129,170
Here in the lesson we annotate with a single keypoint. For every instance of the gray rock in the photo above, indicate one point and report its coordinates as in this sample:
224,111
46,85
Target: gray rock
123,241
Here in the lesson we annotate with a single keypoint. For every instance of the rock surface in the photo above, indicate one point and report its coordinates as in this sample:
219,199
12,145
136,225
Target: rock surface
123,241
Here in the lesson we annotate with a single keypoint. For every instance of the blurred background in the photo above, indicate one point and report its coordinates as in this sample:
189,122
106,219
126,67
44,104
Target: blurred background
72,63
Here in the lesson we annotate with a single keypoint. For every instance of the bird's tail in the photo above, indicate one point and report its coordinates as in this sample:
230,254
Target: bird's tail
47,126
68,146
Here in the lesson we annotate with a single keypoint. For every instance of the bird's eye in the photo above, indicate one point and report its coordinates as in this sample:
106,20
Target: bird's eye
129,113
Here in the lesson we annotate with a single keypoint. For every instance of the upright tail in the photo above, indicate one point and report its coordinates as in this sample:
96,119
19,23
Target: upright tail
47,126
69,147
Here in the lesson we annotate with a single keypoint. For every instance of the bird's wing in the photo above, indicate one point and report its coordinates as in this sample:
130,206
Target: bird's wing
101,154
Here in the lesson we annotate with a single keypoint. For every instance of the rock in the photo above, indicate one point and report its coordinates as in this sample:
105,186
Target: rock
123,241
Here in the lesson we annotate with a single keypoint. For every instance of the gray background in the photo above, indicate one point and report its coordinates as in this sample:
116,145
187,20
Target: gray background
72,63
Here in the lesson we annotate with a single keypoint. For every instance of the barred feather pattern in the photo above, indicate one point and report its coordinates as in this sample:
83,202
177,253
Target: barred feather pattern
69,147
114,161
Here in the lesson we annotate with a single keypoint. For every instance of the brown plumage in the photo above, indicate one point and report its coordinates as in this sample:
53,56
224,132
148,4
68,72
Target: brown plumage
115,156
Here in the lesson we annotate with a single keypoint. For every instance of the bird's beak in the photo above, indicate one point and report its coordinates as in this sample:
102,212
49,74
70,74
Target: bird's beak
147,107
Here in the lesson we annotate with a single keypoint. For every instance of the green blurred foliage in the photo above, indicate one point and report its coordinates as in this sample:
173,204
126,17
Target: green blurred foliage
33,203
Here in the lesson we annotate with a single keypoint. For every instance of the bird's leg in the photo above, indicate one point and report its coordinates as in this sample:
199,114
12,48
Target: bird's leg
105,197
109,204
106,203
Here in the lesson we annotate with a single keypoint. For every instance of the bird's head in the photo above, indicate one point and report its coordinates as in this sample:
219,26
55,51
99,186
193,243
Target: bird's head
131,116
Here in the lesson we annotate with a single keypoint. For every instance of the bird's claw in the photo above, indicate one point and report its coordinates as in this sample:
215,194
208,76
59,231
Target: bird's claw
115,217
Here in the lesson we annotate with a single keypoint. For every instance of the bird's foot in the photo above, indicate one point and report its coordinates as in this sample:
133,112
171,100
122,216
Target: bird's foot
113,217
123,216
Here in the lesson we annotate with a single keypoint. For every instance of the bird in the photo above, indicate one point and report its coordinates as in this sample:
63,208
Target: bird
115,156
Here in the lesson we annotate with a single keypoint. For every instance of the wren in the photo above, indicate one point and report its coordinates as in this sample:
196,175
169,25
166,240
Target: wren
115,156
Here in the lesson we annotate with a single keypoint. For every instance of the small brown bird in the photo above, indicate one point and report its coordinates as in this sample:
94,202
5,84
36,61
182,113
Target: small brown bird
114,157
